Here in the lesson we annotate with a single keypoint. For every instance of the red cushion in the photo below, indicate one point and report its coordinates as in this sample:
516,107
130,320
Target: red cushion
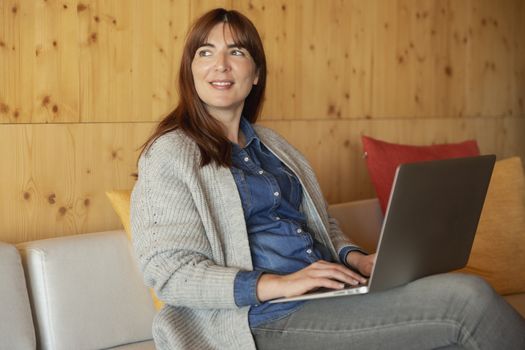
382,159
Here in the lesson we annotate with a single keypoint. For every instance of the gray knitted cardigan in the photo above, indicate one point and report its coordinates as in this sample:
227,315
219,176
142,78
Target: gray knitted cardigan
190,239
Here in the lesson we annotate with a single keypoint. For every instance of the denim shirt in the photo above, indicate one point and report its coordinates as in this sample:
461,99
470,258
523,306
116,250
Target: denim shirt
279,239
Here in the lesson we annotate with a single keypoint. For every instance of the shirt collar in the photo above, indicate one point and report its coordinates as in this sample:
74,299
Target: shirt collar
248,131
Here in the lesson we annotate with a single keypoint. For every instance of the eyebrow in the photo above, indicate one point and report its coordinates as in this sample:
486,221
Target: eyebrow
230,46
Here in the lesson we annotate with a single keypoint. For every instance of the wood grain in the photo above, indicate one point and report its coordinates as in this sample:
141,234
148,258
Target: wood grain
83,83
54,180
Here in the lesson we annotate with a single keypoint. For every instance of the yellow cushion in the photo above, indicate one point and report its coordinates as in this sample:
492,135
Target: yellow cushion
120,201
499,246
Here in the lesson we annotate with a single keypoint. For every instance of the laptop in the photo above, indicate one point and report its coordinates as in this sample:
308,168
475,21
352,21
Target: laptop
429,225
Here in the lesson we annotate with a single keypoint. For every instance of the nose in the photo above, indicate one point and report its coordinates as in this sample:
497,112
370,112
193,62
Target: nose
222,63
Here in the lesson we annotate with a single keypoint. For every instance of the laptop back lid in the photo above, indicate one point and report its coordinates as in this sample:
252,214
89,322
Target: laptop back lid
431,219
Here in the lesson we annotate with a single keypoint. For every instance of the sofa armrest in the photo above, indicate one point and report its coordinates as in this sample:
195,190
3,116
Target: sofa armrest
16,324
86,291
360,221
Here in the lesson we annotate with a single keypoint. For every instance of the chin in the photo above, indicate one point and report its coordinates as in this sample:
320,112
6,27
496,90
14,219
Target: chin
223,105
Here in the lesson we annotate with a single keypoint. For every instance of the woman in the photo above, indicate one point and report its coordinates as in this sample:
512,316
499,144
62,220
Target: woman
227,215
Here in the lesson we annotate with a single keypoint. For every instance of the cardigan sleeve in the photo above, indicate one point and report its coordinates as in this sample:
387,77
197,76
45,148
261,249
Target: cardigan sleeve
169,237
340,241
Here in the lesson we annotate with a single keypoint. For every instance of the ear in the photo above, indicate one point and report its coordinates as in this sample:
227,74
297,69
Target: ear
256,80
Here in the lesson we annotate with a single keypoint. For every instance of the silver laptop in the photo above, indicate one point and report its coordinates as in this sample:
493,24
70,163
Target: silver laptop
430,223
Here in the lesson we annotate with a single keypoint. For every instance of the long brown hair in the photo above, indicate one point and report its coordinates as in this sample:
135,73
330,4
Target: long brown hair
190,115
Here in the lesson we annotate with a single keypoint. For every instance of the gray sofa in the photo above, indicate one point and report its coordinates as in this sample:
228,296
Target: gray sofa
85,291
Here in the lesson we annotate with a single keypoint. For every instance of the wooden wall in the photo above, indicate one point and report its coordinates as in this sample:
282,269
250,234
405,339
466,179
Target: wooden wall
82,84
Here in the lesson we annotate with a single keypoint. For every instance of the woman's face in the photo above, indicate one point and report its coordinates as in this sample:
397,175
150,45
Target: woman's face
223,73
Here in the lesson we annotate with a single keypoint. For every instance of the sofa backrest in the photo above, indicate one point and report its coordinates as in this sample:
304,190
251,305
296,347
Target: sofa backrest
16,323
360,221
86,292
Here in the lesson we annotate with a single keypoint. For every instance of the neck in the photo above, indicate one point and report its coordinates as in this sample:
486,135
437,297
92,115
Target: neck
231,121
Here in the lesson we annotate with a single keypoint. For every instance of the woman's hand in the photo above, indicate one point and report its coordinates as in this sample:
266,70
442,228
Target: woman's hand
362,263
319,274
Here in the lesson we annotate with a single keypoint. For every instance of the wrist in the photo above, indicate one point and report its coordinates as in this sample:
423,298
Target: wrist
268,287
353,258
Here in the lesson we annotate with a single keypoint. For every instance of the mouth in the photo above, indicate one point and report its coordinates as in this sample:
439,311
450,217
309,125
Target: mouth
221,84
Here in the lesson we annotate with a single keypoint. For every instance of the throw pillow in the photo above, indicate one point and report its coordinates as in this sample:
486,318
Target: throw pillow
120,200
382,159
499,244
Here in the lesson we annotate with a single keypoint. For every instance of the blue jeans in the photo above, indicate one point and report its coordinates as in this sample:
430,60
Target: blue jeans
452,311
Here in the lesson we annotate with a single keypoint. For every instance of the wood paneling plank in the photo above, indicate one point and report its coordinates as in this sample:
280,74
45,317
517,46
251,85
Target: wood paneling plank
17,52
324,73
106,63
56,177
171,21
491,58
56,57
385,60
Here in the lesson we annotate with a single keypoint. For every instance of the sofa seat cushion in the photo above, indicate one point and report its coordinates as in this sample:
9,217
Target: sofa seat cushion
16,324
87,292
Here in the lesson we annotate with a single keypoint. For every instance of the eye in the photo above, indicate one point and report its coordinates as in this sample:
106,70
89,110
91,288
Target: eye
204,53
238,52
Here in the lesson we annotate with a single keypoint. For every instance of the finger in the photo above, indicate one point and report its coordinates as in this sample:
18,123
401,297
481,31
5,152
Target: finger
299,285
327,283
336,274
323,262
324,265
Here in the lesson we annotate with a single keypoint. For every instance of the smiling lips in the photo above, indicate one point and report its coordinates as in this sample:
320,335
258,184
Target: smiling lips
221,84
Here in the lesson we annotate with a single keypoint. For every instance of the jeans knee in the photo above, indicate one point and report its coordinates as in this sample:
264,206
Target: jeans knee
473,289
458,290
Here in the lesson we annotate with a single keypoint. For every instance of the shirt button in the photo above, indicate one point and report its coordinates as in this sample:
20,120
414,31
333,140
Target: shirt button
277,218
261,172
309,251
246,159
299,230
276,194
